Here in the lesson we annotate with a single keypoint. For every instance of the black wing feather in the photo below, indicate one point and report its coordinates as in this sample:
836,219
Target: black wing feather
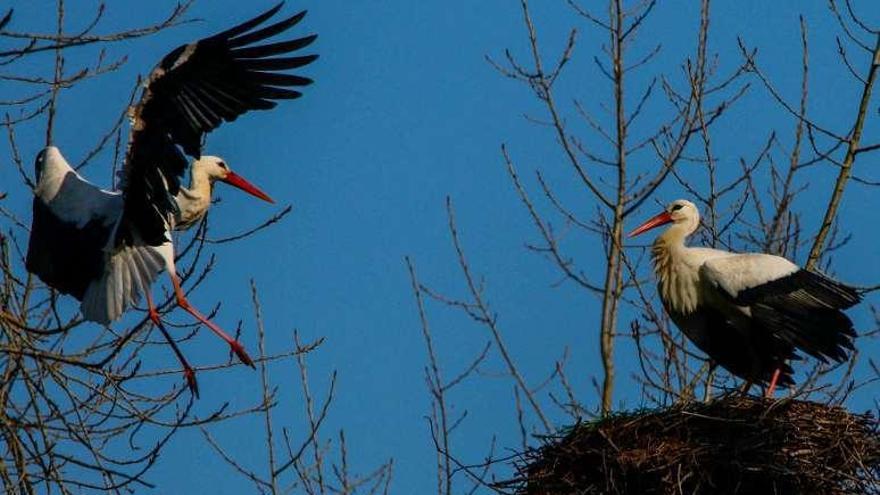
278,63
752,353
267,32
193,90
825,290
247,25
273,48
273,93
804,309
274,79
80,260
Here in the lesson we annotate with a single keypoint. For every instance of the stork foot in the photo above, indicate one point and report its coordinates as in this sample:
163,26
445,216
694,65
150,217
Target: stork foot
191,382
236,347
188,373
773,380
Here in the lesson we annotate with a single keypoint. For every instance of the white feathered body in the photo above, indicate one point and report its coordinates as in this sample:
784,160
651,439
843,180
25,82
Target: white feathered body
749,311
74,246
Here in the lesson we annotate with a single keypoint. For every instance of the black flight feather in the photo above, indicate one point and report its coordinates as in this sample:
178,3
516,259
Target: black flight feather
753,354
192,91
804,309
278,63
66,256
267,32
247,25
826,292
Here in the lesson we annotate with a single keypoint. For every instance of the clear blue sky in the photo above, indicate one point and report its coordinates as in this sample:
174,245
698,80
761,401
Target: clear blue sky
405,111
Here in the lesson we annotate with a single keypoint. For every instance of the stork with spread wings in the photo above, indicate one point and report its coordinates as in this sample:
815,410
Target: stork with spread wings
106,248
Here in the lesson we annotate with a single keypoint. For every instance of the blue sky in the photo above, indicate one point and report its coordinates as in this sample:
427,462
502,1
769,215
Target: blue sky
405,111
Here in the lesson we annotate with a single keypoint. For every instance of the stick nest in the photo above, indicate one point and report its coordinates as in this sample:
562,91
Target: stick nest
735,445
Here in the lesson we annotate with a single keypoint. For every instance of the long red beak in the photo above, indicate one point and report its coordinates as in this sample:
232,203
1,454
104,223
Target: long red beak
656,221
238,181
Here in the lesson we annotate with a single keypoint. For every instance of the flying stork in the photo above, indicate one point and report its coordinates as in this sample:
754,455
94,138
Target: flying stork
106,248
749,312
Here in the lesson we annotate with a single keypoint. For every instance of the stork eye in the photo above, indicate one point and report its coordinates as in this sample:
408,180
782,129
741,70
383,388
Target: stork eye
677,207
222,164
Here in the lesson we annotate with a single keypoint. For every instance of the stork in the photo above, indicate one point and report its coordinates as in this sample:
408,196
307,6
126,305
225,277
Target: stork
748,312
106,248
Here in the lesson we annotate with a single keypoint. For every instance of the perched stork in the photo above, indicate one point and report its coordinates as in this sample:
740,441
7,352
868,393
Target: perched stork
749,312
107,247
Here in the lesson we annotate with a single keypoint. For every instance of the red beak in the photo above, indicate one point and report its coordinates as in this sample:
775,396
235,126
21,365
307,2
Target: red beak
656,221
238,181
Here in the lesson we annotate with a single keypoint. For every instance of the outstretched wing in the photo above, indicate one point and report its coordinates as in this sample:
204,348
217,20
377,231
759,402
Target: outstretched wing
73,222
193,90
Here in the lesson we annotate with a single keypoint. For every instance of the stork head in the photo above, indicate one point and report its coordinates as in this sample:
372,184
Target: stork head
681,213
214,168
49,153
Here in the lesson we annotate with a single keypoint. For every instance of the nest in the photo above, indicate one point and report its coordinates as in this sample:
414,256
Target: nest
735,445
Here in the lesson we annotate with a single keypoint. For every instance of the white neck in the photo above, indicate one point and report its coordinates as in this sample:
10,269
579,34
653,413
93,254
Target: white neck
675,276
195,200
200,184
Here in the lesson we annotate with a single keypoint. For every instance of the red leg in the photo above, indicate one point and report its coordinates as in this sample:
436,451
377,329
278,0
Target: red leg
235,345
772,387
188,372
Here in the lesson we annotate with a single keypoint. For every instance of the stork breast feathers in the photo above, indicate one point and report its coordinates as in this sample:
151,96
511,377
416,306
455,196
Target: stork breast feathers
749,312
736,273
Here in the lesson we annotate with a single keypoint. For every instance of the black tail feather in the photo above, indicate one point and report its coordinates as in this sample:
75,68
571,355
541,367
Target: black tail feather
813,288
810,318
66,257
822,333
